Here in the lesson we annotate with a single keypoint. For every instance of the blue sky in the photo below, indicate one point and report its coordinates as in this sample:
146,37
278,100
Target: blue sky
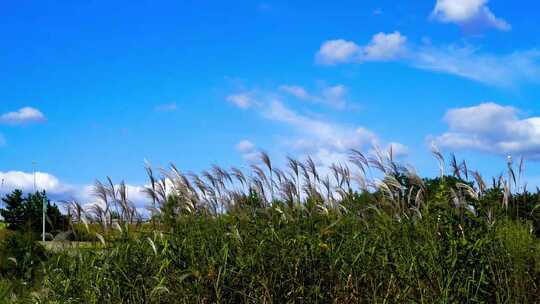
90,89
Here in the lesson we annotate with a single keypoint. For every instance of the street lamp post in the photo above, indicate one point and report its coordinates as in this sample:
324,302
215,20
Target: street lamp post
34,174
1,188
44,214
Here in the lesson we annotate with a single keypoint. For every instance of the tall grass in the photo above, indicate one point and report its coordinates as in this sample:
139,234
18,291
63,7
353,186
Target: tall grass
291,256
371,230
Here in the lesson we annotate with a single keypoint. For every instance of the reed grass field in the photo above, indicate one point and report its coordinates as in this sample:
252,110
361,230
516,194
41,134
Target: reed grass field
369,231
269,152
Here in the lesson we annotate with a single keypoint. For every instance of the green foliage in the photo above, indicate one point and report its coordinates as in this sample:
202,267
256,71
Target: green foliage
25,213
284,255
13,213
85,233
297,237
20,256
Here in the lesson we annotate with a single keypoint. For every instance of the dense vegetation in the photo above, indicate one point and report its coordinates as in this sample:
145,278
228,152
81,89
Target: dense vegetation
25,213
371,232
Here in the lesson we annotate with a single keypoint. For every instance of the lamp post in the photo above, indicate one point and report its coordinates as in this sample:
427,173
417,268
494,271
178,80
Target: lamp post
1,188
34,174
44,214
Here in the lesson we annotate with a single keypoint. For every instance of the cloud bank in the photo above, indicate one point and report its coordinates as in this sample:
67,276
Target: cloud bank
58,190
495,129
503,70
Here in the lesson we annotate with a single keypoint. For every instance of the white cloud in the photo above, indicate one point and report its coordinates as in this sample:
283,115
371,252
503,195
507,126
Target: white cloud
242,100
245,146
168,107
338,51
58,190
248,150
297,91
333,96
324,158
382,47
457,10
385,47
321,139
326,142
23,116
315,136
504,70
23,181
493,128
468,13
135,194
398,149
499,70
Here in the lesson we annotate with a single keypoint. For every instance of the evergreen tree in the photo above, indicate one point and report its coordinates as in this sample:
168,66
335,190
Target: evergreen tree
14,212
27,213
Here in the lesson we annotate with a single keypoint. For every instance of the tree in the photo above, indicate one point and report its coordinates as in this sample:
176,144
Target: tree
13,214
25,214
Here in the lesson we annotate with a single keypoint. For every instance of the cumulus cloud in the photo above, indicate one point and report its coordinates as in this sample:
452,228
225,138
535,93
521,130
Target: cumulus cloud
338,51
382,47
468,13
24,181
333,96
58,190
503,70
23,116
494,129
385,47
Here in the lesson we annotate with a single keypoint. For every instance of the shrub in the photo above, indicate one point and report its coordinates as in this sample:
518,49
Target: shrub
20,256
